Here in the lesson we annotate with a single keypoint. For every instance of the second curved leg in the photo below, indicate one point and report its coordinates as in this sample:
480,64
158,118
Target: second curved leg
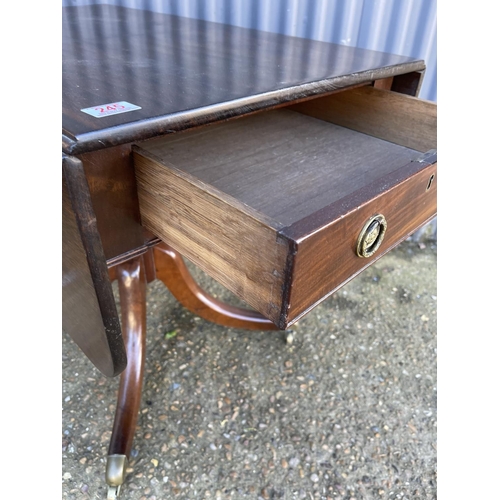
132,286
173,272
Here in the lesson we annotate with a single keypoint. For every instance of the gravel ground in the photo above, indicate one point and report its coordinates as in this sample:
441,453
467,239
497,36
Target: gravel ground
347,411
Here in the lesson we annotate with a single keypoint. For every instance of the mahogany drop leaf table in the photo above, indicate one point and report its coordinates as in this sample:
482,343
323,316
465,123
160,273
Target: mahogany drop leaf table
282,167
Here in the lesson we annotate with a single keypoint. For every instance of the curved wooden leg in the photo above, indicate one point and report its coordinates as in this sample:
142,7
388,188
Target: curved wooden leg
132,285
171,269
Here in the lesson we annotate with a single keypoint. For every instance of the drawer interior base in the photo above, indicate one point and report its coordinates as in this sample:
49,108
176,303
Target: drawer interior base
282,163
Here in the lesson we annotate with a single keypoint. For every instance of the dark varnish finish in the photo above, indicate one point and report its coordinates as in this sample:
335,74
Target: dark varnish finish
173,272
402,197
89,310
408,83
113,191
131,278
186,72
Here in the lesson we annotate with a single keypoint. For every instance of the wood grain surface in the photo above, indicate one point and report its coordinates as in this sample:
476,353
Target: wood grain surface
326,256
185,72
89,310
391,116
173,272
384,83
113,191
231,242
271,205
281,163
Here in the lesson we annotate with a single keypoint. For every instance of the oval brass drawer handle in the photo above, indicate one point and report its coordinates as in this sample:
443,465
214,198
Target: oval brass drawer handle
371,236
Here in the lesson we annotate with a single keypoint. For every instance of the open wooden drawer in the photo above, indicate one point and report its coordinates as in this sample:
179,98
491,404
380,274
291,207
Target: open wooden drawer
285,206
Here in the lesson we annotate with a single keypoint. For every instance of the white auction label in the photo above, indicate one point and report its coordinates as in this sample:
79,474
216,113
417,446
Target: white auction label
113,108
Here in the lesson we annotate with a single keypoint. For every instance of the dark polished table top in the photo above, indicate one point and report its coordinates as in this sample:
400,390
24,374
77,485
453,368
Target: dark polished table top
184,72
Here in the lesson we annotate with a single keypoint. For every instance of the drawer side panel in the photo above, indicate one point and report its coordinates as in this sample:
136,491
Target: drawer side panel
391,116
234,247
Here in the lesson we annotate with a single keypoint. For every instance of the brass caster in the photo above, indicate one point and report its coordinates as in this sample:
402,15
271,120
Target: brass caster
289,337
115,474
113,492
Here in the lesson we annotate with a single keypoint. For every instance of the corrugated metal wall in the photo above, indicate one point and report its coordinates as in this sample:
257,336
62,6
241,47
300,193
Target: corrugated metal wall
405,27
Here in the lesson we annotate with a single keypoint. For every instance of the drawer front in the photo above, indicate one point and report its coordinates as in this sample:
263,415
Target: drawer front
272,205
327,259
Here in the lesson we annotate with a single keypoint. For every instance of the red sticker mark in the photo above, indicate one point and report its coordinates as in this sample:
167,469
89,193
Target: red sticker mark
113,108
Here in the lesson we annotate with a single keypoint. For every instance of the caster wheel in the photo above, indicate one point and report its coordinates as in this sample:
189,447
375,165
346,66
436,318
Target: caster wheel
113,492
